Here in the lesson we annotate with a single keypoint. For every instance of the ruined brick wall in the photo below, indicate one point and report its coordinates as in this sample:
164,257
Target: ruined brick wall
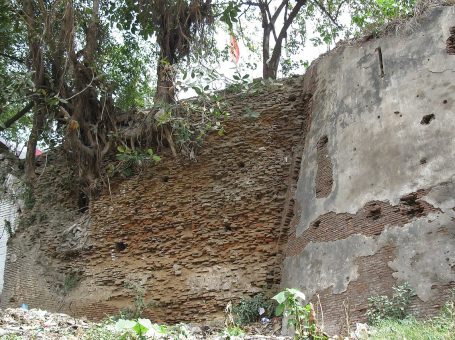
375,197
339,183
192,235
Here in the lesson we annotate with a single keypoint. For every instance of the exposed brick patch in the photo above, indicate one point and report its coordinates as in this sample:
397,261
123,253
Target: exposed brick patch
450,43
375,278
324,174
369,221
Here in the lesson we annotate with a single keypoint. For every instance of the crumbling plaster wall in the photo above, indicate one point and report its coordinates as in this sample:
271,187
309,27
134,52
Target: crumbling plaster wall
390,214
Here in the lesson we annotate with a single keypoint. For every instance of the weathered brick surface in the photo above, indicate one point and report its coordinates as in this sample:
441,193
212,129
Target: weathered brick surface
375,278
193,235
369,221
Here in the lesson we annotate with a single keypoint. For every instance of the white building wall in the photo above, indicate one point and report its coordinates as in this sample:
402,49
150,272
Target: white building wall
8,212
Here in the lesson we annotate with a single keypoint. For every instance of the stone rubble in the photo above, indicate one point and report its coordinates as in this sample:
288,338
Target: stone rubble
40,324
19,323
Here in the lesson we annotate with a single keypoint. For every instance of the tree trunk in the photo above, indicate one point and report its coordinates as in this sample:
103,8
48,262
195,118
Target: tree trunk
165,92
270,64
266,74
273,63
37,128
36,64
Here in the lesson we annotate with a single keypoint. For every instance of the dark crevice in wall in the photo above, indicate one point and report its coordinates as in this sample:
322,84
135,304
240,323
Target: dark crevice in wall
381,63
450,44
427,119
324,174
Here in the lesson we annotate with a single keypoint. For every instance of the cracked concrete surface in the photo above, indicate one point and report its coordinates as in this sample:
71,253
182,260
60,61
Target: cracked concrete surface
381,150
376,142
425,255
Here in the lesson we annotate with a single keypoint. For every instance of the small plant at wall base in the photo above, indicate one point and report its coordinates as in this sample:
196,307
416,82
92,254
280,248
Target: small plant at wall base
440,327
139,303
253,309
71,281
28,197
382,307
8,228
300,318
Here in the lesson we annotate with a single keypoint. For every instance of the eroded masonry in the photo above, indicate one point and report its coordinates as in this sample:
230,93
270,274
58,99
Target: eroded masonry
339,183
193,235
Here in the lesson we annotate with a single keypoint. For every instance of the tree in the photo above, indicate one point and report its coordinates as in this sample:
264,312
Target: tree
175,25
291,12
59,57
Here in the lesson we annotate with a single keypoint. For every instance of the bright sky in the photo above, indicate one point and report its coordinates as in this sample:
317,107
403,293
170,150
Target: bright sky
254,31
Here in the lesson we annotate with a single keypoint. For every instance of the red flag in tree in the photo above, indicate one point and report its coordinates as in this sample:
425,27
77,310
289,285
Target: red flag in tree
235,51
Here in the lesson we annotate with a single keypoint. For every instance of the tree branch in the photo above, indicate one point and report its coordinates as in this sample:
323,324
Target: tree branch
271,22
16,117
278,10
324,10
291,17
13,58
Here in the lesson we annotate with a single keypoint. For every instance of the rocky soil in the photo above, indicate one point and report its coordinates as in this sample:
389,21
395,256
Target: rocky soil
18,323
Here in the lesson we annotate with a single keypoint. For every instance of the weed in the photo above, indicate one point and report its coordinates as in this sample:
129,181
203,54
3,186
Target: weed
8,228
130,160
139,303
300,317
382,307
71,281
28,197
232,331
100,332
440,327
253,308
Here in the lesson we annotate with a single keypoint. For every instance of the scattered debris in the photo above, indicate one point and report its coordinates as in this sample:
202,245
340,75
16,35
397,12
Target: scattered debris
39,324
22,323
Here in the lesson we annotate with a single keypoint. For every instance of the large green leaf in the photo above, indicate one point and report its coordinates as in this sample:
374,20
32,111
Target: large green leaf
140,329
297,293
124,325
280,297
279,309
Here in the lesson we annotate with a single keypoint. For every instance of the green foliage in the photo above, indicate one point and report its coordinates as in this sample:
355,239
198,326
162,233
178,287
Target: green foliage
371,15
139,303
101,332
130,160
411,328
299,316
232,331
440,327
8,227
124,74
28,197
396,308
145,329
247,311
230,14
71,281
192,120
